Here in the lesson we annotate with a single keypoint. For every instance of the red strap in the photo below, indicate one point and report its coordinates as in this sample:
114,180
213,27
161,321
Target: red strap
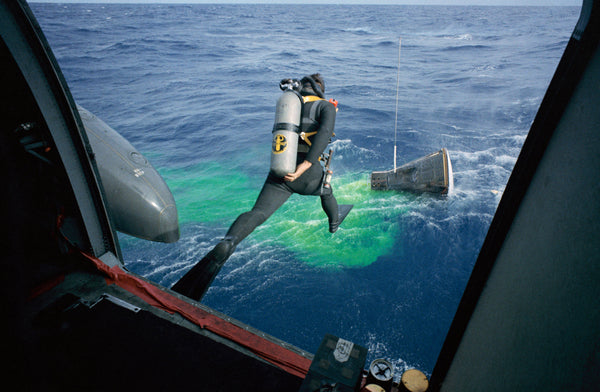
46,286
286,360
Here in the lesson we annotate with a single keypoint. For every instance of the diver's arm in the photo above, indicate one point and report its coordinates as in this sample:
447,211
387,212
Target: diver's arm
324,132
300,169
319,141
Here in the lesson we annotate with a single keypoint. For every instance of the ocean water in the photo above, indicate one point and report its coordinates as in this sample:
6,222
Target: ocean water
193,87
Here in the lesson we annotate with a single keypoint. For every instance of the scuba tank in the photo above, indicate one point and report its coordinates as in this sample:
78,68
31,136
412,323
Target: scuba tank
286,129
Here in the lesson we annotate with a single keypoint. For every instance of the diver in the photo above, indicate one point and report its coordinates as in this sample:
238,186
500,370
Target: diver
309,178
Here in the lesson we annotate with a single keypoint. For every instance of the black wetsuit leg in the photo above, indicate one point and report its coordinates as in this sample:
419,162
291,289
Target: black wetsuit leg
274,193
197,280
310,183
329,204
271,197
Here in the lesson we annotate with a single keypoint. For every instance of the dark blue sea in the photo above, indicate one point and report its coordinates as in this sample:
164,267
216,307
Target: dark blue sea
193,87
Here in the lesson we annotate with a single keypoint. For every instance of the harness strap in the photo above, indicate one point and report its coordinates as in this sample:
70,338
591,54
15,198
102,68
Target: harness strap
311,98
305,136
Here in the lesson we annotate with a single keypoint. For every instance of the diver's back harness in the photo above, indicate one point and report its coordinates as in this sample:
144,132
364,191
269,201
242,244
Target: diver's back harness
309,117
325,157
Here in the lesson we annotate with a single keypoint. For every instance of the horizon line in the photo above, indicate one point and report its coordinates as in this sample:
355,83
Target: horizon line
479,3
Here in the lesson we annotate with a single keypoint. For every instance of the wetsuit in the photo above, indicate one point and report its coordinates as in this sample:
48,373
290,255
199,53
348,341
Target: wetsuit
318,115
276,190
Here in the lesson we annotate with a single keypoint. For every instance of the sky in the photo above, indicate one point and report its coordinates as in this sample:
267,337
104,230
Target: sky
440,2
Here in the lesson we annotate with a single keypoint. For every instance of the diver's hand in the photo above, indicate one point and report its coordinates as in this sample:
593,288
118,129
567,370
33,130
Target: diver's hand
300,169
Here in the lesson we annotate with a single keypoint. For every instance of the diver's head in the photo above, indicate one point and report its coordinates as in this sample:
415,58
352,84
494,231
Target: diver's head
319,80
314,82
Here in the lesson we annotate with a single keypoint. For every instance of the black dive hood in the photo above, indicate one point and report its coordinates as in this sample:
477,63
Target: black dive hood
315,86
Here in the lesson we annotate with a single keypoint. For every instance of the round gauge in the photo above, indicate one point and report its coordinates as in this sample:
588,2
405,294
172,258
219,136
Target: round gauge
381,370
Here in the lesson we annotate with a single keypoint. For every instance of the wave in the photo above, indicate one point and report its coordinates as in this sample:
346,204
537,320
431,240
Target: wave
457,37
361,30
465,48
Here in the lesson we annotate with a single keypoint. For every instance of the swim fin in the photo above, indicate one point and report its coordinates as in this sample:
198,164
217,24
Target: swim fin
196,281
343,210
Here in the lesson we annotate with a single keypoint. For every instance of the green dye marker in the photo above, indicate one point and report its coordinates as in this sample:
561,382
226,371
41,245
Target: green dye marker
213,193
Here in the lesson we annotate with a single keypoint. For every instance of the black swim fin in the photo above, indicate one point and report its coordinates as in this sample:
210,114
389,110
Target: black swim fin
196,281
343,210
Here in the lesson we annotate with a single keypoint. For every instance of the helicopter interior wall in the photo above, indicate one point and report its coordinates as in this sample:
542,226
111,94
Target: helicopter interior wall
112,347
535,324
